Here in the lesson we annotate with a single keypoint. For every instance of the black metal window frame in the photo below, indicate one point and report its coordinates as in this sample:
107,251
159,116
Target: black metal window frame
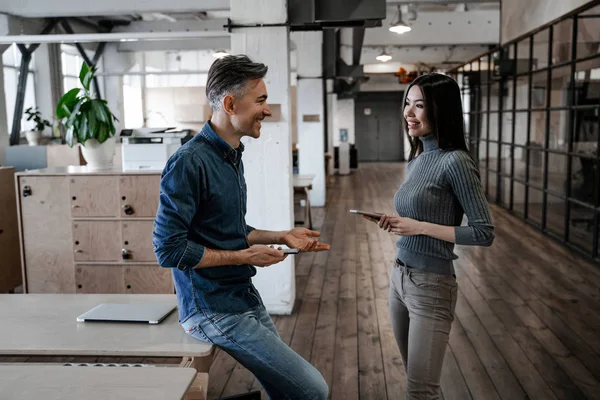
496,74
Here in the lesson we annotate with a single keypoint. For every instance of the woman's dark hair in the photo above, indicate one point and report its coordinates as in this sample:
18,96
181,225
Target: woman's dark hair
443,107
229,75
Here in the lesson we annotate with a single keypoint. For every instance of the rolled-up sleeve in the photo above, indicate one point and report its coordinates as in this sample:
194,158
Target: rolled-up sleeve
466,183
180,190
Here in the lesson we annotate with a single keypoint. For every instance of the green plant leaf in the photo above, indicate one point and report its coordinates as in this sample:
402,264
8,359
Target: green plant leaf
69,136
102,134
65,105
99,110
92,123
85,75
83,128
75,111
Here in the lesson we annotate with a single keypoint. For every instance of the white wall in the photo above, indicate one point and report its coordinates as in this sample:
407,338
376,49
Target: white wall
383,83
520,17
309,93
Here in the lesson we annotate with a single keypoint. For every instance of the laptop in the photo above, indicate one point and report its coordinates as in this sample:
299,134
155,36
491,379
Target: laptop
150,313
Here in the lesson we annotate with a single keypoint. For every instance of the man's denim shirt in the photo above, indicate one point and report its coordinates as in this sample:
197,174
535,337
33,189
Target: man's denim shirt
203,205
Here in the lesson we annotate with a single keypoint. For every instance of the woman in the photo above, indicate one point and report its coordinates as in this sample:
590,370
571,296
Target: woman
442,183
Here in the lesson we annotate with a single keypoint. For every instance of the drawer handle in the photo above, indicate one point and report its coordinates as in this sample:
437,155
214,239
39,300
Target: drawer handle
78,251
74,206
125,254
127,209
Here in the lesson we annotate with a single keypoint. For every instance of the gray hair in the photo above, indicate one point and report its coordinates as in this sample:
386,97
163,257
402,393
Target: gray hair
229,75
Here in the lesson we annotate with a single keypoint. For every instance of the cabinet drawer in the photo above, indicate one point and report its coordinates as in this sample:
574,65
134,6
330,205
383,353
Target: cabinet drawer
99,279
137,240
97,240
148,279
94,196
139,195
47,240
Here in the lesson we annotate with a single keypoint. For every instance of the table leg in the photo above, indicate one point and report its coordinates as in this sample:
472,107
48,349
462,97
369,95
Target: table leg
308,213
199,388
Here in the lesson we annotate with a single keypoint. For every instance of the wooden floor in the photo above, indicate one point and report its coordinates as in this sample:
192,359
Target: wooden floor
527,319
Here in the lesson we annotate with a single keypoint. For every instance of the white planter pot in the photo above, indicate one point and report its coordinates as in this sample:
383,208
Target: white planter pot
33,137
99,155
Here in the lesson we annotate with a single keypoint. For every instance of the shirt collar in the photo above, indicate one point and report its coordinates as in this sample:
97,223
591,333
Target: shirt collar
222,147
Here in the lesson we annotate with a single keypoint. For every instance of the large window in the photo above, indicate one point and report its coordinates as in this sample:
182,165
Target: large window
533,114
166,89
11,62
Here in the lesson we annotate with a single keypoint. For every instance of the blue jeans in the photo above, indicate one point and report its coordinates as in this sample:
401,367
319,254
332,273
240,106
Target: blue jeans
252,339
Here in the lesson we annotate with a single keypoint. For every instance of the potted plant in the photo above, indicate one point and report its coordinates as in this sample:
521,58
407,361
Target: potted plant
33,136
88,122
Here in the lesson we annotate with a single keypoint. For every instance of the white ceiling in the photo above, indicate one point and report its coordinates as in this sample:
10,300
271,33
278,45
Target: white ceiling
442,31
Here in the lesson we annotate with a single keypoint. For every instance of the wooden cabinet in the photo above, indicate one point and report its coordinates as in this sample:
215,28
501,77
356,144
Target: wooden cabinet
10,256
90,232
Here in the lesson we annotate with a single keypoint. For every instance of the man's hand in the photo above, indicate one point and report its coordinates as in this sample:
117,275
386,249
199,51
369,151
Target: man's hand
263,256
304,239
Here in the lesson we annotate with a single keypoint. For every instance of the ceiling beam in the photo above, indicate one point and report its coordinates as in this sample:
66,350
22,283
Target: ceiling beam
179,26
106,37
78,8
417,2
440,28
212,43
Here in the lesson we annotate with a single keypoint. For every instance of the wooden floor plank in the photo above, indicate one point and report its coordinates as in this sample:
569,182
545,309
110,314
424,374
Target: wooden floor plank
474,373
395,375
528,376
453,383
500,373
323,347
345,371
370,364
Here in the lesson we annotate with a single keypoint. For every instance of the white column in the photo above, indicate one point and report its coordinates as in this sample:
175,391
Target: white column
309,94
331,100
343,119
268,160
43,85
4,135
115,61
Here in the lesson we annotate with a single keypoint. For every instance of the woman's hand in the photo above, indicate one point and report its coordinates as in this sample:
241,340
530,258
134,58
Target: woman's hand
400,226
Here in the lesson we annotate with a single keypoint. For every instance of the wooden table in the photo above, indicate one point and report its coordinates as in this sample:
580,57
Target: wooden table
44,328
36,382
302,185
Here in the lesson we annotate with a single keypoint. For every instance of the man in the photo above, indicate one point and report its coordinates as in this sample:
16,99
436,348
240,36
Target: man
201,233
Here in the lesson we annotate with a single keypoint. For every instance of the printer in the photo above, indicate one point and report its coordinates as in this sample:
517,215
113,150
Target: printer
149,148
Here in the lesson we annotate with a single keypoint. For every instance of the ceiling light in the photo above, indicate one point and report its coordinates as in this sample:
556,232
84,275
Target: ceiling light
383,57
398,25
220,54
